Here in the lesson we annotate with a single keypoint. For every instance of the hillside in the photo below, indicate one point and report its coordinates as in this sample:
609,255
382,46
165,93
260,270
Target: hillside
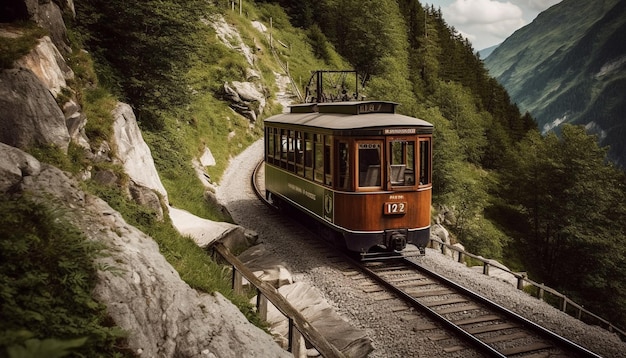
201,77
569,66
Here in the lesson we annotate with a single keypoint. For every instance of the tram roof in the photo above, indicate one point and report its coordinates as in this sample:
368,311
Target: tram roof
347,115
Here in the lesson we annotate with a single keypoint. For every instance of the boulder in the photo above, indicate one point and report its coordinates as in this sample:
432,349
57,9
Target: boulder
245,98
133,151
146,197
15,165
29,114
204,232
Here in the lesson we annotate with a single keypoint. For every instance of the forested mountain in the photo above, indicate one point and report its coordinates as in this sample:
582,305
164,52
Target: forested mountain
544,205
569,66
547,205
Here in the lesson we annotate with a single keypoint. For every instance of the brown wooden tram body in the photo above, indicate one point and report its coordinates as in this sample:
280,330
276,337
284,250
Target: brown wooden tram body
357,167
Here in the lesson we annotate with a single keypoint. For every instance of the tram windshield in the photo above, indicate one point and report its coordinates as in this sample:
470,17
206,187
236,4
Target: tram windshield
402,162
370,154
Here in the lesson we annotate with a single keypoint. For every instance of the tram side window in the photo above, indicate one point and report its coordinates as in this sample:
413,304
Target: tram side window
319,158
425,162
308,156
284,147
291,155
402,165
328,174
369,164
299,153
277,146
269,149
344,168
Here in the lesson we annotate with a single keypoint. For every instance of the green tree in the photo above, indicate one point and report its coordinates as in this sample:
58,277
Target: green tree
147,46
574,205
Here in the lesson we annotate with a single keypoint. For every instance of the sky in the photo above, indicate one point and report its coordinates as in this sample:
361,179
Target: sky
489,22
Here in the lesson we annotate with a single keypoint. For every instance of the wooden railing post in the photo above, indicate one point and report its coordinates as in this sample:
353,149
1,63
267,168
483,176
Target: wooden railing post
486,268
520,282
261,305
237,281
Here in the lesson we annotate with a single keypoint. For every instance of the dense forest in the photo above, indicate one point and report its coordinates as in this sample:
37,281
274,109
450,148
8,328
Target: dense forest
552,206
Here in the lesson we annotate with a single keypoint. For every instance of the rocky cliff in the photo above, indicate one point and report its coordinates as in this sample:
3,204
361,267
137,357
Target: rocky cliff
143,293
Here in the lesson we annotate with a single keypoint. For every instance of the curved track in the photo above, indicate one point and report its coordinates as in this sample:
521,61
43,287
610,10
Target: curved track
480,323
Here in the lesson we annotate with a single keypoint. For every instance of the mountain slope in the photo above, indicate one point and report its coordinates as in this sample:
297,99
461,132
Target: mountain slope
569,66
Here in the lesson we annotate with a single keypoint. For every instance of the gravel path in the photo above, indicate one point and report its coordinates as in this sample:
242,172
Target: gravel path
394,333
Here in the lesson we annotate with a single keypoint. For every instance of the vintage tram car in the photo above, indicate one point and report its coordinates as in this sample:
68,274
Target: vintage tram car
359,168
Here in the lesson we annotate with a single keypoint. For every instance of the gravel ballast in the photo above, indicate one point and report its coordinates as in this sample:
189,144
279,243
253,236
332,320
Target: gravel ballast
394,333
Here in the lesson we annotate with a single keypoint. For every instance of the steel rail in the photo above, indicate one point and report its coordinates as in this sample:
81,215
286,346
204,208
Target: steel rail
562,341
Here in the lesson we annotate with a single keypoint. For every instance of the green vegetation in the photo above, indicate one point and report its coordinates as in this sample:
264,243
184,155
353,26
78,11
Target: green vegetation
47,275
547,205
572,204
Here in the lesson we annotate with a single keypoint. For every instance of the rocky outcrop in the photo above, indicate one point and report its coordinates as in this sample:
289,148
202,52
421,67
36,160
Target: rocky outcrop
47,14
143,292
47,63
248,97
133,151
245,98
29,114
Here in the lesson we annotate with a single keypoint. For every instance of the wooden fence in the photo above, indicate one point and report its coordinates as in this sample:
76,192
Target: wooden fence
298,325
540,290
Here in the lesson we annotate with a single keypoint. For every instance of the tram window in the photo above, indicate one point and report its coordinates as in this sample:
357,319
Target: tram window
328,173
402,163
308,155
270,145
284,147
369,164
319,158
299,153
344,168
291,155
424,162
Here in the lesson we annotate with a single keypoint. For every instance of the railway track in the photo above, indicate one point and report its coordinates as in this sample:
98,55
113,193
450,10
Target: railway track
476,322
481,323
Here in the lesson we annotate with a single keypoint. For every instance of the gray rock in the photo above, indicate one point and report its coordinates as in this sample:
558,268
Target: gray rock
47,14
133,151
144,294
14,166
29,114
147,198
47,63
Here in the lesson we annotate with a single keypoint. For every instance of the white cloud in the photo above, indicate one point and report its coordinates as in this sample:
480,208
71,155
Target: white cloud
484,22
481,12
488,22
